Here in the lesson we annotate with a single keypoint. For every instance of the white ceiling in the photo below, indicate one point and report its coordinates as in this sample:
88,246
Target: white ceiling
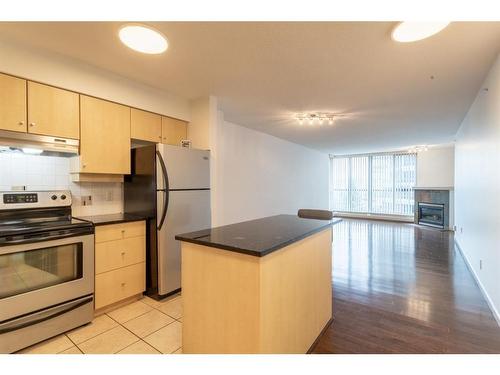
264,73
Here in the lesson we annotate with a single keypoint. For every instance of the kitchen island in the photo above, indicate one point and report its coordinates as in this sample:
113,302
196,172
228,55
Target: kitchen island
260,286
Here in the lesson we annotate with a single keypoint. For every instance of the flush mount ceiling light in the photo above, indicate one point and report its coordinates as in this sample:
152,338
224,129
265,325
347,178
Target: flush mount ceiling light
412,31
143,39
319,118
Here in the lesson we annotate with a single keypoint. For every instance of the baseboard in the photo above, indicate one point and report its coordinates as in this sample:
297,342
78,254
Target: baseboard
486,296
396,218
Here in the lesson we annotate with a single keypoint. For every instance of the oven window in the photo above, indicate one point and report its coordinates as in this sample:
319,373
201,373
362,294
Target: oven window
25,271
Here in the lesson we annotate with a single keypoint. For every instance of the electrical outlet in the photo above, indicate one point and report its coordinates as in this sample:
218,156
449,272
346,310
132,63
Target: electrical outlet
87,200
109,195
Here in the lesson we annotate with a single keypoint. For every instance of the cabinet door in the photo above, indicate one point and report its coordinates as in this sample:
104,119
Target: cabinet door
145,126
173,131
104,137
12,103
53,111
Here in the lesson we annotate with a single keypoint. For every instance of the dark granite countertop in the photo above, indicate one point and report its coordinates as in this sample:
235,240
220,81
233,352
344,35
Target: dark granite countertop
258,237
111,218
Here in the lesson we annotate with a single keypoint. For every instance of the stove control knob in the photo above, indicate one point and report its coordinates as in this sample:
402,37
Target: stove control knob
54,197
63,197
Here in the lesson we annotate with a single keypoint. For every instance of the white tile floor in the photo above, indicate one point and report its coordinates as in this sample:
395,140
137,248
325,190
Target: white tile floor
146,326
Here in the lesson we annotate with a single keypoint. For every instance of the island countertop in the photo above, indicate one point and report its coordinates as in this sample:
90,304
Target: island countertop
258,237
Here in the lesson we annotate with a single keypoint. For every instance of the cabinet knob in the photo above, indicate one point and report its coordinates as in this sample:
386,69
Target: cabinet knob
84,165
123,284
21,123
32,124
123,253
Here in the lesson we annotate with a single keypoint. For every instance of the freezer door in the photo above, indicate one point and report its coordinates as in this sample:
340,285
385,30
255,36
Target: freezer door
188,210
186,168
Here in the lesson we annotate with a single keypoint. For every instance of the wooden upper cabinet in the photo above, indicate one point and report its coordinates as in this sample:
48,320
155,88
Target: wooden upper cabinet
173,131
12,103
104,137
145,126
53,111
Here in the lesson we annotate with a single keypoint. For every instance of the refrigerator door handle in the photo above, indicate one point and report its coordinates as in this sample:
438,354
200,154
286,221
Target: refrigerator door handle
165,180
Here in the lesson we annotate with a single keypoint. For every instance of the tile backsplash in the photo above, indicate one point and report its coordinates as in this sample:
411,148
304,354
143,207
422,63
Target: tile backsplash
37,172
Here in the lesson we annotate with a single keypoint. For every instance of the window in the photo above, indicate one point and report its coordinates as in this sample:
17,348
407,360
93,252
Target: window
378,183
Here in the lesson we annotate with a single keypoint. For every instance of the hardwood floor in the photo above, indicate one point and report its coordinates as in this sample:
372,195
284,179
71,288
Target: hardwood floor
401,288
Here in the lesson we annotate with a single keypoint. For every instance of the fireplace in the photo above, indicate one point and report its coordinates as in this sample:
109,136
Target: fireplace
431,214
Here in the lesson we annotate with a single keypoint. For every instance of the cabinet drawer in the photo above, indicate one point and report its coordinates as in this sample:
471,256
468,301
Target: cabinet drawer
111,255
114,286
115,232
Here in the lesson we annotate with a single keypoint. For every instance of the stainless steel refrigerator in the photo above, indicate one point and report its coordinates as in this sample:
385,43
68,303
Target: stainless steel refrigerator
170,185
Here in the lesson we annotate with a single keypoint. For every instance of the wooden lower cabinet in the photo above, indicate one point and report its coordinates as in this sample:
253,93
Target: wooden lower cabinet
120,254
115,232
117,285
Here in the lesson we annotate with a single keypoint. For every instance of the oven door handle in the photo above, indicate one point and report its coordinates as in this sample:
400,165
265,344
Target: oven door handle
56,235
41,316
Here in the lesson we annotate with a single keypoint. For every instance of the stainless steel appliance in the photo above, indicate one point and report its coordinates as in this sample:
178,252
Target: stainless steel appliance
46,268
49,145
171,186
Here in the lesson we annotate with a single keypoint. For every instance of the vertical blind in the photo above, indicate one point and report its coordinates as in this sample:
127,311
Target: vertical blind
380,184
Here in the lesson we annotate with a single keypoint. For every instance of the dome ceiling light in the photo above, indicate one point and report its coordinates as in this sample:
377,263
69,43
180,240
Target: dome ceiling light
408,31
143,39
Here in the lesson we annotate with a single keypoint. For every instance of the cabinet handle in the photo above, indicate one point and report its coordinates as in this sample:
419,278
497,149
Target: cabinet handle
32,124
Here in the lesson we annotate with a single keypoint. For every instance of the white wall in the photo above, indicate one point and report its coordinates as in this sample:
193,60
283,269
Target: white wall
477,187
256,175
71,74
436,167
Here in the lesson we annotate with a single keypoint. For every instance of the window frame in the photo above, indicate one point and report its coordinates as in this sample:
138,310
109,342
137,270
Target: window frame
370,156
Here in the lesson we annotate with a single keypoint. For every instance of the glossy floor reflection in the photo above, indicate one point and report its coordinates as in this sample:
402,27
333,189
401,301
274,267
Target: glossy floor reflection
401,288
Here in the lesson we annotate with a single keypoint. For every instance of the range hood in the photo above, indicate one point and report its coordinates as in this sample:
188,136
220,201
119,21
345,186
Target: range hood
49,145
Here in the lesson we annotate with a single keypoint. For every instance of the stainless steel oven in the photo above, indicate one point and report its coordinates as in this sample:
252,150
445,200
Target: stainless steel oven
46,276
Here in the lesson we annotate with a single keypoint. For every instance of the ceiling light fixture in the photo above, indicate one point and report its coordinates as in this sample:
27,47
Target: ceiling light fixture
143,39
412,31
417,149
317,117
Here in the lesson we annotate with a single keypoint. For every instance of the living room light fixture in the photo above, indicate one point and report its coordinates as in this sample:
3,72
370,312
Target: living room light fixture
412,31
317,118
417,149
143,39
